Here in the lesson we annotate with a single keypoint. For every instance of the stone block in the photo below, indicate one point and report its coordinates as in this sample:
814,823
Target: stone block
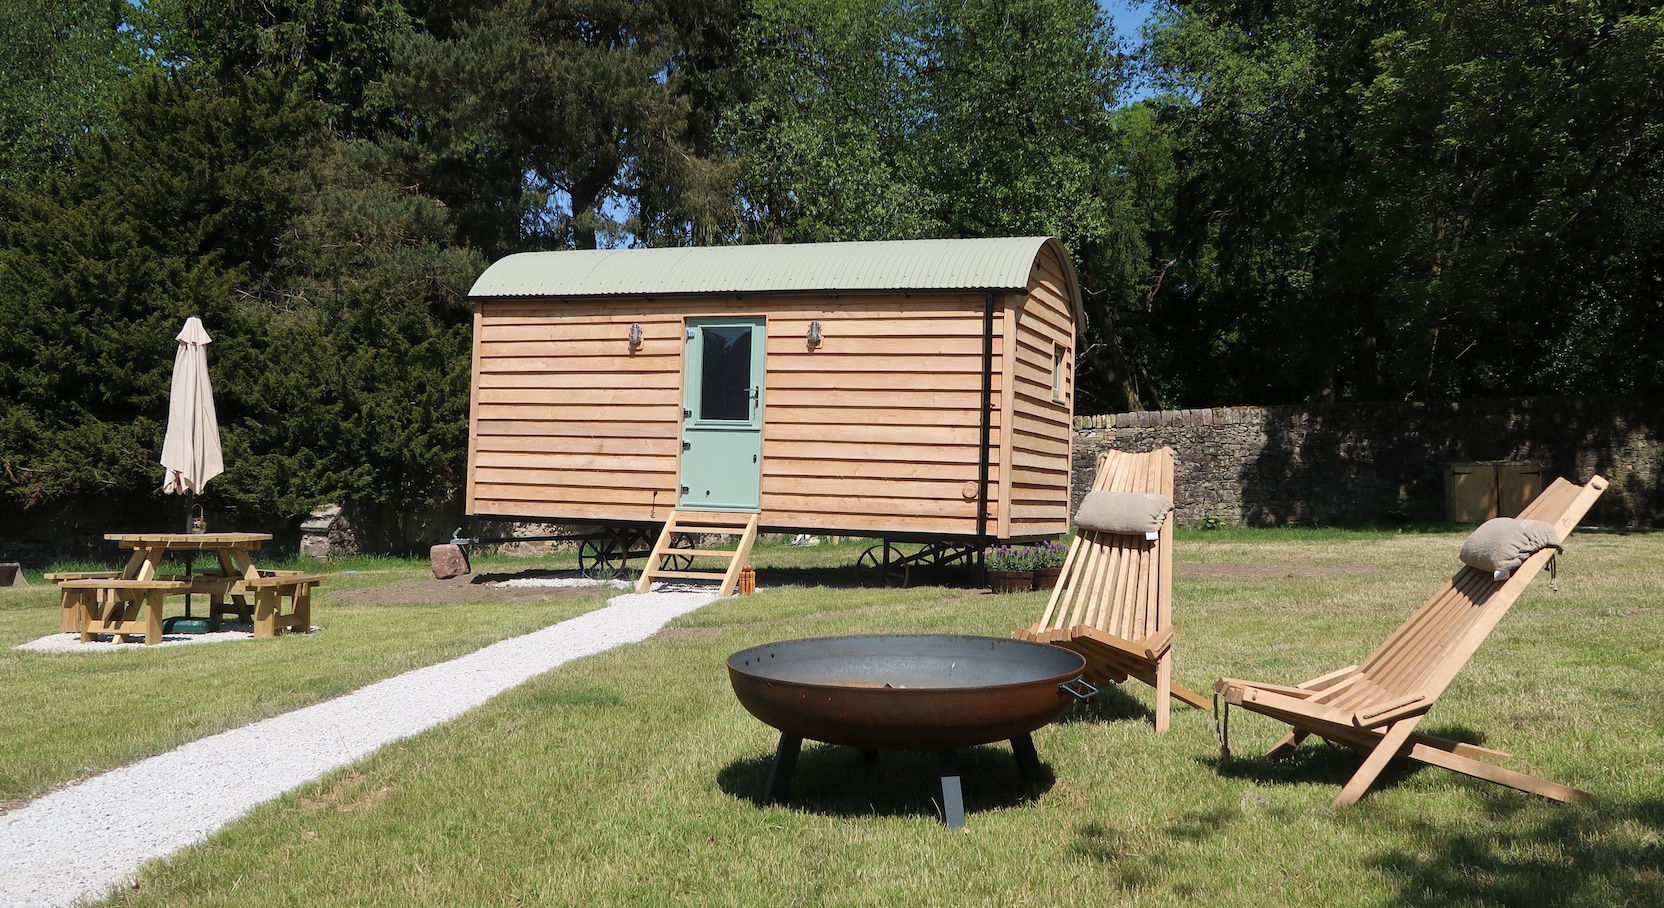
449,560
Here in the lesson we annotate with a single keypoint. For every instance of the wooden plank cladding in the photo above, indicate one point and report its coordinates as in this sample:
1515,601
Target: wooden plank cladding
580,400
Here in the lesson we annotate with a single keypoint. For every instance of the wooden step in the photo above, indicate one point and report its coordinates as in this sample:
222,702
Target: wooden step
705,523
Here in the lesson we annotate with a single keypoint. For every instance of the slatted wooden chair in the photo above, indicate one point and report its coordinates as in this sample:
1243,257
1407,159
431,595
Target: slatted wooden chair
1113,603
1375,706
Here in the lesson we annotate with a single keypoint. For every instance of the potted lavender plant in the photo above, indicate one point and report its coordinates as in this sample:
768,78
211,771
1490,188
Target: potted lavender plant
1010,568
1048,564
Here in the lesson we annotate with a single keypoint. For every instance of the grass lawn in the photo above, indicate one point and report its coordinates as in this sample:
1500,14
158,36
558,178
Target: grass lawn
630,777
67,716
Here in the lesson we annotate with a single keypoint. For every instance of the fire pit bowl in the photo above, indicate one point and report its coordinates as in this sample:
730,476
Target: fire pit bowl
907,692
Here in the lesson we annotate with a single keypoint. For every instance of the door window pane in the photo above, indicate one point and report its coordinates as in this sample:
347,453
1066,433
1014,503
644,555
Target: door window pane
725,375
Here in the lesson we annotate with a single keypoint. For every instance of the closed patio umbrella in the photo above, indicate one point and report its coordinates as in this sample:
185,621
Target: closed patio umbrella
191,449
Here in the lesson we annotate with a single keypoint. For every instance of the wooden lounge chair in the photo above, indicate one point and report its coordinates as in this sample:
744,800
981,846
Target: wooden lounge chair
1113,603
1375,706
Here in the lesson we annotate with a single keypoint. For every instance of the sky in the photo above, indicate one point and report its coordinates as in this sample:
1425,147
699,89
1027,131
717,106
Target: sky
1127,15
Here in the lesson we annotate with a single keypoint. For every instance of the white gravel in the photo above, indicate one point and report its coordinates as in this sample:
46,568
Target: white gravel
81,842
229,632
563,581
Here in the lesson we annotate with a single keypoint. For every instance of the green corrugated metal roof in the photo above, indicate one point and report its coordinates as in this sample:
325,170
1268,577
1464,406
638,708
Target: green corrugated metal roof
909,265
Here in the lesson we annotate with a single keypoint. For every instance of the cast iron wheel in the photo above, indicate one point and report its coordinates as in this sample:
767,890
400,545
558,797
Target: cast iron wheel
943,561
881,565
675,562
603,557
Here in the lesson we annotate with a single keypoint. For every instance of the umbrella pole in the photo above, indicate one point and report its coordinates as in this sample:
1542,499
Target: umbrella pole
190,557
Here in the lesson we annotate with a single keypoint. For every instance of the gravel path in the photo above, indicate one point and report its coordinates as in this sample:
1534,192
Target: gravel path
45,859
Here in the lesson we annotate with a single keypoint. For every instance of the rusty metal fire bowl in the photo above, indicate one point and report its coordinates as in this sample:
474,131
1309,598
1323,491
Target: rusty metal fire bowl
907,692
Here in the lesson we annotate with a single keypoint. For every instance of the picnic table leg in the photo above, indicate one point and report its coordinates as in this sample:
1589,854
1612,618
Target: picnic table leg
89,608
152,617
237,561
69,611
111,612
135,563
303,609
267,604
148,560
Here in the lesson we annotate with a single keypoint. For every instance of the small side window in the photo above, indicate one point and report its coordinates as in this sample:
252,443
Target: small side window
1060,373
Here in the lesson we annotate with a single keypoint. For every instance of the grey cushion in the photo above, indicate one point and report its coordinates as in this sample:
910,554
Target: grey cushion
1502,544
1132,513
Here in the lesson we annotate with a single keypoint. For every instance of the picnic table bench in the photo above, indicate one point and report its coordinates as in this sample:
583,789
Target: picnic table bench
116,602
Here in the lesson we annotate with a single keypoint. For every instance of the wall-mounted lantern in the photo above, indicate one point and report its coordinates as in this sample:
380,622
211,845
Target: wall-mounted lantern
635,337
814,334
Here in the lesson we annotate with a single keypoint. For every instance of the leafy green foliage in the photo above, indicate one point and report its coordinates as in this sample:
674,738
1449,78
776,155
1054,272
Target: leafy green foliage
60,63
340,47
1325,200
364,395
1421,200
160,220
334,296
541,121
883,120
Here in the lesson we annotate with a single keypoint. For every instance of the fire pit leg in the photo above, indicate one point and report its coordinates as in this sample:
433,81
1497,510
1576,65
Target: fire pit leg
785,763
1028,762
953,796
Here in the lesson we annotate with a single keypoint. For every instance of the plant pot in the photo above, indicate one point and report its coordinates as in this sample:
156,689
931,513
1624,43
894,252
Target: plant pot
1046,578
1011,581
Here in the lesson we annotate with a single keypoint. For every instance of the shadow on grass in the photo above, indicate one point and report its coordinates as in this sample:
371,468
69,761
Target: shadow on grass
843,782
846,576
1321,763
1112,704
1317,761
1531,853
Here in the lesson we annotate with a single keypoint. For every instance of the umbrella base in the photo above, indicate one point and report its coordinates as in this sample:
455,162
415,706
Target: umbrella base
183,625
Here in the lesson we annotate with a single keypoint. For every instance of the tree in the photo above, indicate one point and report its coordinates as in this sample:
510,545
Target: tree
339,47
162,217
1407,200
1023,141
886,119
60,64
545,122
363,394
335,296
1519,150
822,132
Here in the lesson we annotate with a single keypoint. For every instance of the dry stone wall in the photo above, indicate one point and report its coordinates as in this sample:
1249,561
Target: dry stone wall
1384,463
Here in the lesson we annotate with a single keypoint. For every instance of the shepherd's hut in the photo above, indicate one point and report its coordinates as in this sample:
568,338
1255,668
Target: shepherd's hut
917,390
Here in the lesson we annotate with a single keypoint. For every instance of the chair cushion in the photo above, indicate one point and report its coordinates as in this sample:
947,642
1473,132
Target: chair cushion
1502,544
1132,513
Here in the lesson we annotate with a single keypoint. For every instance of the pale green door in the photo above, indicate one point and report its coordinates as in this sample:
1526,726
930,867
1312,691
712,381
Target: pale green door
722,414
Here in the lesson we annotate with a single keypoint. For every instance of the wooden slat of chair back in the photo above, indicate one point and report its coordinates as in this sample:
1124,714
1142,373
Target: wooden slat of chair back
1427,652
1116,583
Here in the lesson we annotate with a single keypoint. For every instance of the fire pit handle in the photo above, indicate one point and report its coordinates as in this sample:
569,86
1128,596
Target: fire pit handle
1072,688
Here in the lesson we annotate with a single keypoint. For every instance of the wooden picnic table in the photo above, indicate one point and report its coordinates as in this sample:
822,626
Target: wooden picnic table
110,602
